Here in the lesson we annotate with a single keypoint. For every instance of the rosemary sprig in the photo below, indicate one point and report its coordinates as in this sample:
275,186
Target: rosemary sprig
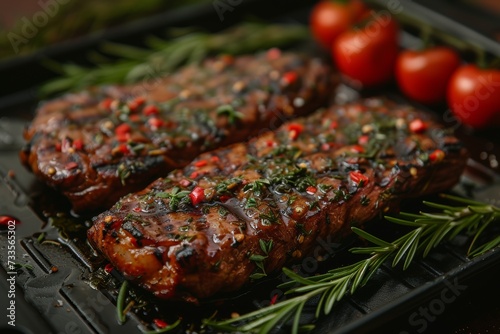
128,64
429,230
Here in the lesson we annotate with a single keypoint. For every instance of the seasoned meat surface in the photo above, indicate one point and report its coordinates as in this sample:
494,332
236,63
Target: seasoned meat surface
99,145
240,212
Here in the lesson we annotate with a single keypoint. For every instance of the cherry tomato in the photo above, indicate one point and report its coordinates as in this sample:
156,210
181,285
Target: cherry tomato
424,75
474,96
329,19
366,55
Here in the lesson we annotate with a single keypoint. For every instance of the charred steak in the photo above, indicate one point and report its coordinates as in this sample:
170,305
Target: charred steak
99,145
239,212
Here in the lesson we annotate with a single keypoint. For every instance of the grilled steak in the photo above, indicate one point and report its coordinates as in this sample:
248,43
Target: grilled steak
99,145
239,212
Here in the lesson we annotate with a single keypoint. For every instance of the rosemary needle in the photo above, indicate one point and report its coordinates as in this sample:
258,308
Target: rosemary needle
428,231
120,302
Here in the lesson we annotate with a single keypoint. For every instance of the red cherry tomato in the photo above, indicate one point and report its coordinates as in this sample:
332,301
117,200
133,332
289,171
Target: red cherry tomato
474,96
366,56
424,75
328,20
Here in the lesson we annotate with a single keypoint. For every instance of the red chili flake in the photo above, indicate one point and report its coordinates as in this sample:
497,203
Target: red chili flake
200,163
136,103
194,175
436,156
71,165
224,198
227,59
8,220
58,147
311,190
274,299
197,195
160,323
273,53
106,103
418,126
289,78
151,110
123,129
357,149
137,209
358,178
108,268
270,143
135,118
215,158
78,144
295,129
363,140
334,125
123,148
156,123
185,183
133,241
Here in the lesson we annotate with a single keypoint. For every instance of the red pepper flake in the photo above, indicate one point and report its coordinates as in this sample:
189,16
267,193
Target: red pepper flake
215,158
437,156
136,103
273,54
270,143
106,103
200,163
135,118
137,209
160,323
123,129
274,299
227,59
334,125
108,268
358,178
325,146
224,198
185,183
363,140
151,110
357,149
133,241
197,195
123,148
194,175
8,221
71,165
155,123
289,78
58,147
78,144
295,129
311,190
418,126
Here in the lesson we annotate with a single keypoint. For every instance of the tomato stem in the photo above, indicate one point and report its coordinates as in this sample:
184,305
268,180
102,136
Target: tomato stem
481,58
426,36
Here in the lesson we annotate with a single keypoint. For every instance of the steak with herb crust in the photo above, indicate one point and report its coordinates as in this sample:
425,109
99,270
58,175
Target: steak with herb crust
98,145
240,212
